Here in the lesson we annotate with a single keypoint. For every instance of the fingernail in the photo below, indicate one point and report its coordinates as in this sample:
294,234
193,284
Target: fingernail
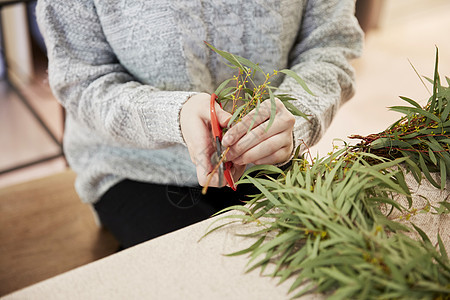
225,141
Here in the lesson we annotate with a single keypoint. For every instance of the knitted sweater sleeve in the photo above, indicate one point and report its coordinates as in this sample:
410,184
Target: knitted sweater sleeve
95,89
330,36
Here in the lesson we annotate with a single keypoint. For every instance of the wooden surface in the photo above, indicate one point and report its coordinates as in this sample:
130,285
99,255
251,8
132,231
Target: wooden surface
46,230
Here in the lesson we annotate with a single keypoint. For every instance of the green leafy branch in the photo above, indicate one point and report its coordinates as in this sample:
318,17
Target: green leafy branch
245,94
422,135
330,234
320,221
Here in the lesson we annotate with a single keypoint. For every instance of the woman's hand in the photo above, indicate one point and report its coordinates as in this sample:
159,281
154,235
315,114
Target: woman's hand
195,122
261,146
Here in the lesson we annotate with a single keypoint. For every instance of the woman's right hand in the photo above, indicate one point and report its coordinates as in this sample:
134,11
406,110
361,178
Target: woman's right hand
195,122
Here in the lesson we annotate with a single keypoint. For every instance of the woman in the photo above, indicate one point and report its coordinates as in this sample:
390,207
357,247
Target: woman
135,78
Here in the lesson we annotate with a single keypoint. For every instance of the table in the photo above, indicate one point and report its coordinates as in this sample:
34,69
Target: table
178,266
174,266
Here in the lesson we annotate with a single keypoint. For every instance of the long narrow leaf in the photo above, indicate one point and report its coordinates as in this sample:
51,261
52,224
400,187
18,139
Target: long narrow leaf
249,249
407,110
294,110
412,102
222,85
297,78
273,110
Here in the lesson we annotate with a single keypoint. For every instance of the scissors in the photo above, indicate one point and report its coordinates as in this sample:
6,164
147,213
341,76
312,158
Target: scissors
225,167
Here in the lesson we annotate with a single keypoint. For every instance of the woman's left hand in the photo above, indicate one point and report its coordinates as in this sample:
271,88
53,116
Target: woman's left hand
261,146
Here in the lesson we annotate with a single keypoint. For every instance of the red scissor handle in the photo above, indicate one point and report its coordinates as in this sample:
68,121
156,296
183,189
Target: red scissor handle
217,132
226,172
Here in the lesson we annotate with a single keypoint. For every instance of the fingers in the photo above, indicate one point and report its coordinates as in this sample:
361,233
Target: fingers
208,179
257,136
201,150
260,145
254,118
275,149
195,122
222,116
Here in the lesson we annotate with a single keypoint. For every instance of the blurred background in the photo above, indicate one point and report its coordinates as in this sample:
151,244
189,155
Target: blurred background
398,32
30,118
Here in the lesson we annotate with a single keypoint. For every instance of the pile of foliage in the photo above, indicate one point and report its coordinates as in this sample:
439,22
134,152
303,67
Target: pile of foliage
320,220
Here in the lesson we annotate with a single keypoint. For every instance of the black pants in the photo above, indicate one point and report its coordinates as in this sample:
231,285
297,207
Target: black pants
136,212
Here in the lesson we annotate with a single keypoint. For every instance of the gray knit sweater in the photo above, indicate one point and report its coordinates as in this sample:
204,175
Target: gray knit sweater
123,69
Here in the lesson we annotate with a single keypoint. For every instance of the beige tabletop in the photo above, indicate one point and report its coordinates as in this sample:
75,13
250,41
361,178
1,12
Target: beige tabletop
174,266
178,266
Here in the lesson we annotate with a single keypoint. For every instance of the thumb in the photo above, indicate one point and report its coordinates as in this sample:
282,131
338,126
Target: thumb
222,116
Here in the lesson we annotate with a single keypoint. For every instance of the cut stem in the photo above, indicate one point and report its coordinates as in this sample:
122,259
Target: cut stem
210,175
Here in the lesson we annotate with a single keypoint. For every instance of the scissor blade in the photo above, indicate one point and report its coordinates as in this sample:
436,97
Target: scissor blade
219,153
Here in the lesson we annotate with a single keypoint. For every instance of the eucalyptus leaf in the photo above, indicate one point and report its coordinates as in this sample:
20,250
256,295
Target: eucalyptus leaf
412,102
320,220
294,110
235,115
297,78
408,110
222,85
273,110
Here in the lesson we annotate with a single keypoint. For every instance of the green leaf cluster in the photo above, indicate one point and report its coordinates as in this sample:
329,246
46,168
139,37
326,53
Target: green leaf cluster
422,135
320,220
331,235
244,94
